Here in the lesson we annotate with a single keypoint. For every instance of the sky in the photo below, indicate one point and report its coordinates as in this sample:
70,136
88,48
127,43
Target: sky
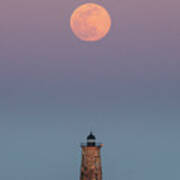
55,88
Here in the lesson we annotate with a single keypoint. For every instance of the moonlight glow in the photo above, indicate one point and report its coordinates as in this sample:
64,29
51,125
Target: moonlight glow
90,22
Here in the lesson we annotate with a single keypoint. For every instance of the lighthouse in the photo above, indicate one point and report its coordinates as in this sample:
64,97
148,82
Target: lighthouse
91,168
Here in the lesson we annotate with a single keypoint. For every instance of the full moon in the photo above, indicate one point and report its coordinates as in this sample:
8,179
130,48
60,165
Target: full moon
90,22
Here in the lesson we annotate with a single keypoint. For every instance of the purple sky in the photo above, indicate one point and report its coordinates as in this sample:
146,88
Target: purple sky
55,88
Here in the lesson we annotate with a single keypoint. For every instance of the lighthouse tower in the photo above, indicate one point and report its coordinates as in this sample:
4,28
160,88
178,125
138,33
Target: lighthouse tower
91,160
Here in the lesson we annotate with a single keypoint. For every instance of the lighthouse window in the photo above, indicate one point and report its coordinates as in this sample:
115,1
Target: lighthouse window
96,176
82,174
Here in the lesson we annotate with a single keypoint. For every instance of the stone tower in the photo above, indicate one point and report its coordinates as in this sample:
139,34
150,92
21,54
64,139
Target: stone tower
91,159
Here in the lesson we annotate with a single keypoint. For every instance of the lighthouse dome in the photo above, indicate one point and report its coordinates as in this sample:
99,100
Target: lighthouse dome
91,136
91,140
